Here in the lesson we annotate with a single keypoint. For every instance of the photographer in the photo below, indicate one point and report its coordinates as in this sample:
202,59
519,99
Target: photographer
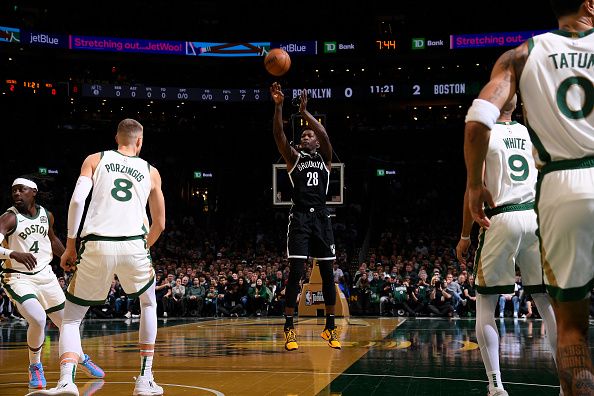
440,300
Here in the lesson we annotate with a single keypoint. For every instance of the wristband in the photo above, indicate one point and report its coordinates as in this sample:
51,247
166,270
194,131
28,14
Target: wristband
5,253
465,238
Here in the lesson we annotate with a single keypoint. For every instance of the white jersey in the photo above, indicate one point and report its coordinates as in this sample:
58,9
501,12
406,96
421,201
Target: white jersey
121,187
30,236
510,173
557,85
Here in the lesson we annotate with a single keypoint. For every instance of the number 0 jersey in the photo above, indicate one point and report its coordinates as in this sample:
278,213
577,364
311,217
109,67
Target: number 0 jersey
310,178
121,186
30,236
510,173
557,84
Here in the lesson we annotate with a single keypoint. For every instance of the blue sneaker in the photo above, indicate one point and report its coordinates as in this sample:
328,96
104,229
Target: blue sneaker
36,376
91,367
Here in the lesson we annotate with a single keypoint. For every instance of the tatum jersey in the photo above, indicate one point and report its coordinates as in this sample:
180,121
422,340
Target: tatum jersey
30,236
510,173
559,74
310,178
121,186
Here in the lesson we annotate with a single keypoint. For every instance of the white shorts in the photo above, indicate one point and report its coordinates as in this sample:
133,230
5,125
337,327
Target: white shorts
100,260
510,240
42,286
566,225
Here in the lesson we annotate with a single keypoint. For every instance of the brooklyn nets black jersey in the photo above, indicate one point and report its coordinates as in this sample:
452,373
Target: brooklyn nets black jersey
309,178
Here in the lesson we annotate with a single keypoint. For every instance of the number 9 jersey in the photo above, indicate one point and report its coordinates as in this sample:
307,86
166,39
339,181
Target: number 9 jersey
121,186
510,173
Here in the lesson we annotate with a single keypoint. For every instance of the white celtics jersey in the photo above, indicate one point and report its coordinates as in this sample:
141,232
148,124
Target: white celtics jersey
557,86
30,236
510,174
121,186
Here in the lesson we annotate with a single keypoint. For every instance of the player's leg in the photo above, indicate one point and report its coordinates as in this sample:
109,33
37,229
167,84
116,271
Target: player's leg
545,308
35,316
488,338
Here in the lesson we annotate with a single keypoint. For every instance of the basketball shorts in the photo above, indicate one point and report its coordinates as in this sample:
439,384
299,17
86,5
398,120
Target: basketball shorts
510,240
310,234
565,202
42,286
101,259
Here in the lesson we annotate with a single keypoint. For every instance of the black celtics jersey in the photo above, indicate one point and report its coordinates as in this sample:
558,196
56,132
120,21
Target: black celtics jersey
309,178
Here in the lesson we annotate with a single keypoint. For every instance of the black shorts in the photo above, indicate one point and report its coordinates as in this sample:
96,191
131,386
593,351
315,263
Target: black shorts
310,234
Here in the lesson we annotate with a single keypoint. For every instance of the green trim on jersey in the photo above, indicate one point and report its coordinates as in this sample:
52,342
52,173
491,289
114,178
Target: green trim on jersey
54,309
534,289
38,207
83,302
506,122
542,152
13,271
477,255
571,294
142,290
92,237
124,155
490,212
577,163
566,33
101,155
530,45
13,295
507,289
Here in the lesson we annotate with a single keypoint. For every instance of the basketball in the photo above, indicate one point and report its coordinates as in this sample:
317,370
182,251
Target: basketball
277,62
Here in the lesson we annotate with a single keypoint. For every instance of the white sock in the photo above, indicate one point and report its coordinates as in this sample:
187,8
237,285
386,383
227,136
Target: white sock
68,370
35,356
146,363
488,337
545,309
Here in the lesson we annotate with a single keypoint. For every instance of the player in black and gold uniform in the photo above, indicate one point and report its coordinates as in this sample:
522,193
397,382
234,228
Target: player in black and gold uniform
310,230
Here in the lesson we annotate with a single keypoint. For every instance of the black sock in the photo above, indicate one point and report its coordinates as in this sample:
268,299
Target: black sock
289,322
330,322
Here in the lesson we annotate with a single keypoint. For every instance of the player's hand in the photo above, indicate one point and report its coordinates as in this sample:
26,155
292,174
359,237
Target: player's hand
68,260
462,250
277,94
25,258
303,102
476,197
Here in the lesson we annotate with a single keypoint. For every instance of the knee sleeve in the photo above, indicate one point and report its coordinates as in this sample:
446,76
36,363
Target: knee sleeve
295,275
147,333
328,288
35,315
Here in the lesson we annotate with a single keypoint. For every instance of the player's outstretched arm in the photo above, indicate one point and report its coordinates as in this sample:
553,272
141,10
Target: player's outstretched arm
318,128
288,153
156,202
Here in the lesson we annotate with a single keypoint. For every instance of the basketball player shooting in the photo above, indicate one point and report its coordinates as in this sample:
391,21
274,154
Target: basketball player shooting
310,230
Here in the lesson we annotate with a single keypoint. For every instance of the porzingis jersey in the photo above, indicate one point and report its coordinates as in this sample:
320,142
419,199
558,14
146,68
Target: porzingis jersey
309,178
121,186
557,86
510,173
30,236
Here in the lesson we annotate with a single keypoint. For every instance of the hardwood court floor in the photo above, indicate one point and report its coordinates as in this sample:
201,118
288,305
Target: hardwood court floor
380,356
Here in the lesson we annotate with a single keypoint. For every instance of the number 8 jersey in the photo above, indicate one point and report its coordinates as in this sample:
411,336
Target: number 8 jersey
510,173
310,178
121,186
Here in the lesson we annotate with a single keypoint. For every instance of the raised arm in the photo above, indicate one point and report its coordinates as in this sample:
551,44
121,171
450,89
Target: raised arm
481,117
288,153
156,203
319,130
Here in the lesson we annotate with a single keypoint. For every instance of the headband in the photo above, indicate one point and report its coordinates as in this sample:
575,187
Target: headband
24,182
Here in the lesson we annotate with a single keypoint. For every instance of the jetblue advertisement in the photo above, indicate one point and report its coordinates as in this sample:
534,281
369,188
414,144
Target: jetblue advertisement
41,39
297,47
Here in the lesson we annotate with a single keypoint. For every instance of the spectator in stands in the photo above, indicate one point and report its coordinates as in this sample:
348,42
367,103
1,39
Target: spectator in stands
363,293
231,304
337,271
453,288
178,293
468,295
376,285
162,293
194,299
243,290
259,297
210,301
440,299
514,298
386,296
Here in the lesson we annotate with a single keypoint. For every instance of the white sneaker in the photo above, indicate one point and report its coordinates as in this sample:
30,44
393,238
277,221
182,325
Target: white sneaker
497,392
146,386
128,314
501,314
63,388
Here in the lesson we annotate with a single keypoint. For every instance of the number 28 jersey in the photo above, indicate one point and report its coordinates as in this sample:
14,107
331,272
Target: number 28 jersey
309,178
121,186
510,173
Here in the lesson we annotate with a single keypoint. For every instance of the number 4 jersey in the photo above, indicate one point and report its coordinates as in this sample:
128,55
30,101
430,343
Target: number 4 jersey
30,236
121,186
510,174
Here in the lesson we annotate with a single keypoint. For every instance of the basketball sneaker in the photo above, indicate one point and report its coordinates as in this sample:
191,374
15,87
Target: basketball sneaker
91,368
331,335
497,392
36,377
62,389
146,386
291,340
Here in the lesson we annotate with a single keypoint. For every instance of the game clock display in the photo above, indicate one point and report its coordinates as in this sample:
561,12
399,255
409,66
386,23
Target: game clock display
34,88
